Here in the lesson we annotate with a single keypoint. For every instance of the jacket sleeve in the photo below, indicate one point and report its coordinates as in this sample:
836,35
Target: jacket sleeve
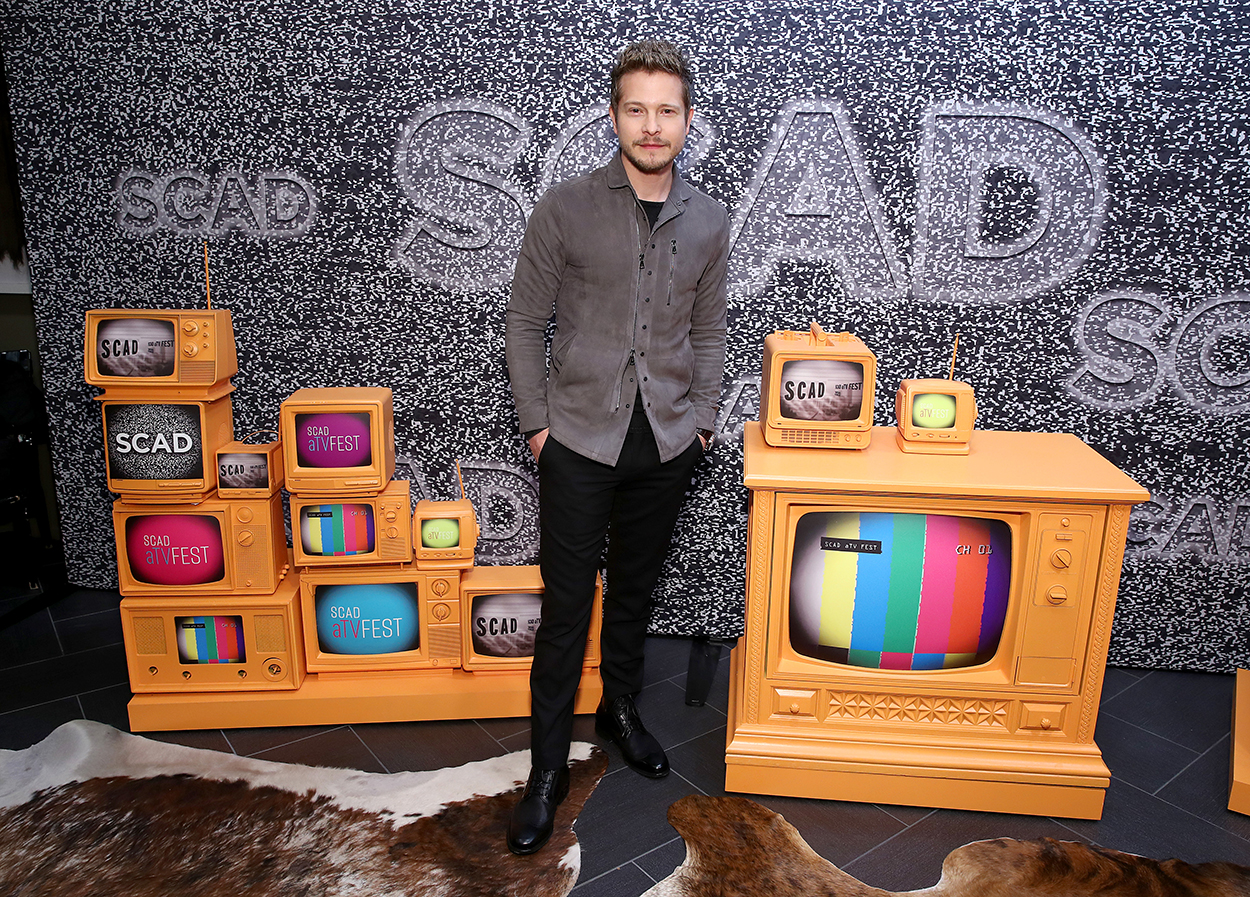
535,284
707,331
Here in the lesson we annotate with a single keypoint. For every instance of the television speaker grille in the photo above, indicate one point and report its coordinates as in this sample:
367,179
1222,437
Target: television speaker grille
445,642
270,634
198,371
808,437
149,635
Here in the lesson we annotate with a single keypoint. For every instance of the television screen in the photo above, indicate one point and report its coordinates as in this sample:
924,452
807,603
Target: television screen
148,441
367,618
243,470
336,530
902,591
933,411
440,532
821,389
210,639
504,625
136,347
175,549
333,439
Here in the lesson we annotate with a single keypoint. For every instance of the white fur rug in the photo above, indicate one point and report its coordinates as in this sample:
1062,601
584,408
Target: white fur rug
94,811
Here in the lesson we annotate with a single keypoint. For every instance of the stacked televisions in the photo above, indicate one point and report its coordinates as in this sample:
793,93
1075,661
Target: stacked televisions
211,604
208,605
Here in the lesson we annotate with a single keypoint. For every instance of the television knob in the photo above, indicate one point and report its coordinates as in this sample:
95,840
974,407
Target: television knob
245,514
392,532
190,328
1057,595
441,612
439,587
274,669
246,538
795,708
391,515
1061,559
242,674
186,674
152,671
190,349
1045,722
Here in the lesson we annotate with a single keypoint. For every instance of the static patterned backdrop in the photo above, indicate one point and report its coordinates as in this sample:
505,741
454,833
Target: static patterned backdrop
1063,183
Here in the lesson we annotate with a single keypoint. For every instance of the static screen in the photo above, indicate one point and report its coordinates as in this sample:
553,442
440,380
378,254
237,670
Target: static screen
336,530
899,591
820,389
368,618
504,625
210,639
175,549
333,440
136,347
933,411
148,441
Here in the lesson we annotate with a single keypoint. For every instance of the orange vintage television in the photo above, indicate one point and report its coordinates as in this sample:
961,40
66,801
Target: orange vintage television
195,643
365,619
817,389
503,607
161,449
219,546
935,417
444,534
354,530
247,470
338,441
925,629
187,350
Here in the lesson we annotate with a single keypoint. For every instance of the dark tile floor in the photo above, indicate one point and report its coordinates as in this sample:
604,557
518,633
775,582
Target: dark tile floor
1165,736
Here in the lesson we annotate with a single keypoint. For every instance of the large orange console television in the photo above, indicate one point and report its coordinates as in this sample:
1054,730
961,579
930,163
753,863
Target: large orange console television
925,628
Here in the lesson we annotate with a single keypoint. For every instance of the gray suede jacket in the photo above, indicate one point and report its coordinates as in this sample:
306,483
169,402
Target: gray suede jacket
635,309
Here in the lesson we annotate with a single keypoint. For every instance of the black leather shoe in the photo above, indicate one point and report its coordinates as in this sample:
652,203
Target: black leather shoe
620,723
535,812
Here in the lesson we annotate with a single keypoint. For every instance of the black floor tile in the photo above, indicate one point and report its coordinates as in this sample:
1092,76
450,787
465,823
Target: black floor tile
1138,756
664,658
405,747
251,742
86,631
1136,822
204,739
633,819
85,601
1202,789
1191,709
338,748
623,881
107,705
19,729
660,863
913,859
59,676
840,831
29,640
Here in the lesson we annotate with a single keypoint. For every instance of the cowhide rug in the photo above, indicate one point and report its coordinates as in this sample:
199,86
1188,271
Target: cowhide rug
736,848
94,812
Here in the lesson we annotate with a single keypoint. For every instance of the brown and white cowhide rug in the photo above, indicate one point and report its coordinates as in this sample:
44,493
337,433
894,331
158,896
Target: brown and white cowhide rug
736,848
94,811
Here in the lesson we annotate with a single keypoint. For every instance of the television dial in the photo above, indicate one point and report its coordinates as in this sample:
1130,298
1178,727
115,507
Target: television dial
190,328
441,611
245,514
1057,595
274,669
246,538
1061,559
439,587
190,349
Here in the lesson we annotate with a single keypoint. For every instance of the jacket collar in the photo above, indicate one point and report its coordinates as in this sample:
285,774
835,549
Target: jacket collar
678,195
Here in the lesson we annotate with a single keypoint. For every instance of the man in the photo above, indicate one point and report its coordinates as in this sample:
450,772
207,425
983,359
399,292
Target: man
632,261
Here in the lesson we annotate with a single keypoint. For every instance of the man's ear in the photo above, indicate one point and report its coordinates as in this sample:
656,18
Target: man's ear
612,118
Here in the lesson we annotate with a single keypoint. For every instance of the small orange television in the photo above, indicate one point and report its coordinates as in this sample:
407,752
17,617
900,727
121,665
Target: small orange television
360,529
444,534
245,470
206,644
189,350
935,417
163,449
338,441
217,547
502,607
817,389
366,619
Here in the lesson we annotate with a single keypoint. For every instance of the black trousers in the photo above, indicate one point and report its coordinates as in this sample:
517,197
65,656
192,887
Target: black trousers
635,504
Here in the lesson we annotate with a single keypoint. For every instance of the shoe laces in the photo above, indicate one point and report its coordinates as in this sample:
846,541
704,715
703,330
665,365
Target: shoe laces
543,783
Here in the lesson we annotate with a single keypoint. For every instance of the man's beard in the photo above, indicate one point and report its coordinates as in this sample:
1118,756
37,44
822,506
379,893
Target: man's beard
653,163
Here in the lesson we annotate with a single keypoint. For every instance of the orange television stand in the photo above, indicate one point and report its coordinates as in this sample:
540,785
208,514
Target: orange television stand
1012,734
345,698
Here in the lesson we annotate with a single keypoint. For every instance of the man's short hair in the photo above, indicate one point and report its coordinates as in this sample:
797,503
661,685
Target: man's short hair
651,56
